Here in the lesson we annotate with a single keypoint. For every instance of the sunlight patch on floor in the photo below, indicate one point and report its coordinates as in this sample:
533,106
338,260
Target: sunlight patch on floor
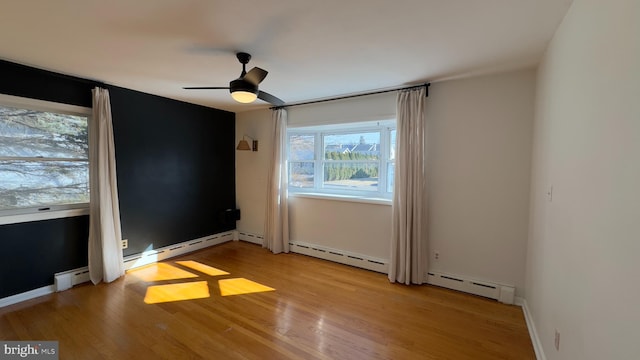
192,288
241,286
176,292
160,272
205,269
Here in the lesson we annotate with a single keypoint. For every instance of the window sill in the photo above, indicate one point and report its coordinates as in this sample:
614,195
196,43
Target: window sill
336,197
56,214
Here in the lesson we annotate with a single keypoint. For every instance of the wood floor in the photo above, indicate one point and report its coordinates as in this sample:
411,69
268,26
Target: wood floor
318,310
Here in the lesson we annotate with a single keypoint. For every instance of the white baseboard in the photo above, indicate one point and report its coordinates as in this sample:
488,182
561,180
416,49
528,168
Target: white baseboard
14,299
340,256
325,253
518,301
504,293
155,255
533,333
67,279
249,237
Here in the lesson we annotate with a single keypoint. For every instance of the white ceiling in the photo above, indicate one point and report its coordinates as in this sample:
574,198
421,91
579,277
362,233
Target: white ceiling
312,49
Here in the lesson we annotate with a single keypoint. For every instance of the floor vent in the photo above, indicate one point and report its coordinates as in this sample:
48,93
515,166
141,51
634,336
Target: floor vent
502,293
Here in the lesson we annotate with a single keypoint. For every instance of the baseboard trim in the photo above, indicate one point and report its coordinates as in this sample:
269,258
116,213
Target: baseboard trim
340,256
68,279
81,275
518,301
502,292
155,255
14,299
533,333
325,253
249,237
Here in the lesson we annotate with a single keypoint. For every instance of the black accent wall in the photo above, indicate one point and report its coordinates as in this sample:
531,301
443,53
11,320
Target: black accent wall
34,251
176,173
25,81
177,165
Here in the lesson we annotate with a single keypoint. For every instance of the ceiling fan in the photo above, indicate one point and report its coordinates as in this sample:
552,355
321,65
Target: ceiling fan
245,88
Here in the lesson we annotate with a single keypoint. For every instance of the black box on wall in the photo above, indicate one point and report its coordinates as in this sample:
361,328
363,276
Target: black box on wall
230,216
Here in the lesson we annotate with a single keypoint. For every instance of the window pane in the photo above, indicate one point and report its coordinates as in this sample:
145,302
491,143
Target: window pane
351,176
38,183
392,146
359,146
31,133
301,174
301,147
391,170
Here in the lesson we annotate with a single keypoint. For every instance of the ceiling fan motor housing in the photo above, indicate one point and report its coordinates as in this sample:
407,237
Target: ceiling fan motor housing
242,85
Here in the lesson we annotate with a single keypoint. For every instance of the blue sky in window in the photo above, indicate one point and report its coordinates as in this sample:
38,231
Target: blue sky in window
343,139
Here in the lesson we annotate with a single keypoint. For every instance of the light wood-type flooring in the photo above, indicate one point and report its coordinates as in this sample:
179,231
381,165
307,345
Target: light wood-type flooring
318,310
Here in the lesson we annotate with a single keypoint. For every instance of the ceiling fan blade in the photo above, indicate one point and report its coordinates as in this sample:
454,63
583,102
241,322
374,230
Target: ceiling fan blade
255,76
270,98
206,87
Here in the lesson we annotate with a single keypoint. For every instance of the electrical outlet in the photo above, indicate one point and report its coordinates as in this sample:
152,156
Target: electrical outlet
436,255
125,244
557,340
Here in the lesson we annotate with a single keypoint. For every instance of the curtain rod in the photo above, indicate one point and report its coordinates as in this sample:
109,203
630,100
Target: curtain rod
425,85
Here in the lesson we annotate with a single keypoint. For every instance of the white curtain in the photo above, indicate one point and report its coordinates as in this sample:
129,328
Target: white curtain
408,233
276,234
105,238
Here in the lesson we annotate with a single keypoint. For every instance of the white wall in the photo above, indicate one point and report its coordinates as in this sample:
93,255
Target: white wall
584,245
366,108
479,164
355,227
351,226
479,153
252,168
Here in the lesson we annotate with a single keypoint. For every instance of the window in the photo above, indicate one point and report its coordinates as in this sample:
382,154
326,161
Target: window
43,156
346,159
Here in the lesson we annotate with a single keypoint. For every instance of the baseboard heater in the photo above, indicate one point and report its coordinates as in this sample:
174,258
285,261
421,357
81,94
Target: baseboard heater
249,237
503,293
500,292
153,256
325,253
67,279
340,256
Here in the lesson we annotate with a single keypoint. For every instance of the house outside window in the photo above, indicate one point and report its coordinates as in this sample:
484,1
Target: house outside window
355,159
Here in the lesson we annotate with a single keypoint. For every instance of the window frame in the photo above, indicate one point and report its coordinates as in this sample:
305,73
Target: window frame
320,132
46,211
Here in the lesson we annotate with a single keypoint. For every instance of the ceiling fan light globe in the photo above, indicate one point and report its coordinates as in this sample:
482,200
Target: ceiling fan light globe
244,97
